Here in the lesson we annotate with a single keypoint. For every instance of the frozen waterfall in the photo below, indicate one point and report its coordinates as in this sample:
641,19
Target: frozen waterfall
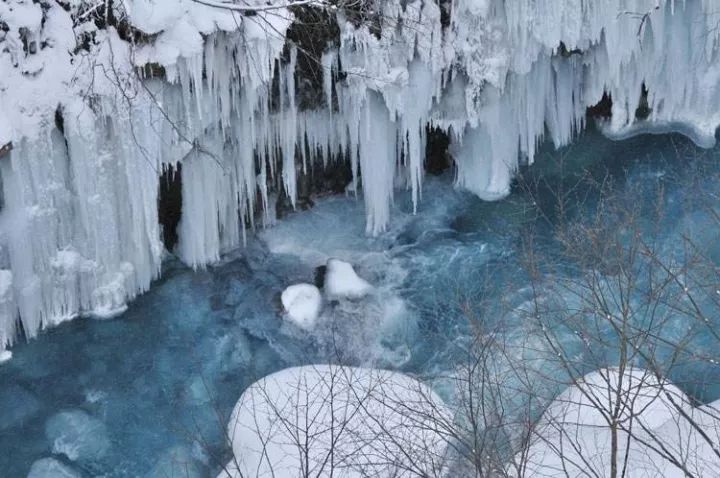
92,127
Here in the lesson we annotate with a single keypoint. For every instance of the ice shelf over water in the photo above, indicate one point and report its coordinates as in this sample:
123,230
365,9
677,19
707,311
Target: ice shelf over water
93,127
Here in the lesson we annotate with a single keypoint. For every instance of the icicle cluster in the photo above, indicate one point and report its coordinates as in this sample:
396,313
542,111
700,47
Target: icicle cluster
79,229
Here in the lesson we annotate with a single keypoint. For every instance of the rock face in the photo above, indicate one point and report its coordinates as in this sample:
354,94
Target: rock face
375,422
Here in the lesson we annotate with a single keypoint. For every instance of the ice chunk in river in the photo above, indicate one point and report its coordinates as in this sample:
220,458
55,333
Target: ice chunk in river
51,468
77,435
302,303
341,281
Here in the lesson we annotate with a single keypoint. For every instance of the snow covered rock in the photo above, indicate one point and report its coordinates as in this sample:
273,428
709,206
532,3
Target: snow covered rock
51,468
574,434
5,355
302,304
376,422
342,282
77,435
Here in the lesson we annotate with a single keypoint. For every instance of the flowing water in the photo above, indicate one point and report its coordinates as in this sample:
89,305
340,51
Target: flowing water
127,397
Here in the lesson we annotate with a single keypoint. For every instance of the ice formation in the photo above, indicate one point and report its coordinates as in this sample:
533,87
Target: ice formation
659,432
91,118
302,304
325,420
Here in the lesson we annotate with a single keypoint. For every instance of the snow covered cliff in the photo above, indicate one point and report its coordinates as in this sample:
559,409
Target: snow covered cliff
99,98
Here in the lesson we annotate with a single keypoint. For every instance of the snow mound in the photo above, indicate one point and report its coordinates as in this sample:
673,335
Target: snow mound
376,422
575,433
51,468
302,304
5,355
341,281
77,435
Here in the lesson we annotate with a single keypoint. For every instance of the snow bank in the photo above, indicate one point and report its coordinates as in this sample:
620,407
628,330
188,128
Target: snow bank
342,282
302,304
654,420
376,422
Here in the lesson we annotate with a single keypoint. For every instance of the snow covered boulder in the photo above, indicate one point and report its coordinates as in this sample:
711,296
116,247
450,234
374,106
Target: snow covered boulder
345,422
302,304
575,433
342,282
51,468
77,435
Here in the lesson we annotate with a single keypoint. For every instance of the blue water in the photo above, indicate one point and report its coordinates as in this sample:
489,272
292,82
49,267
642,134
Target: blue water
158,383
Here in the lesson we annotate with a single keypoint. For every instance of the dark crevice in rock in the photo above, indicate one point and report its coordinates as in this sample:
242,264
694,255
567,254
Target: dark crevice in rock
312,33
643,110
565,53
60,120
5,149
2,206
437,159
603,109
320,272
151,70
170,204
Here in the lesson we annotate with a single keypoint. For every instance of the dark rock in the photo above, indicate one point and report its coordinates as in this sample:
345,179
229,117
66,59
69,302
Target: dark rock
320,272
643,110
5,149
437,158
170,204
603,109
